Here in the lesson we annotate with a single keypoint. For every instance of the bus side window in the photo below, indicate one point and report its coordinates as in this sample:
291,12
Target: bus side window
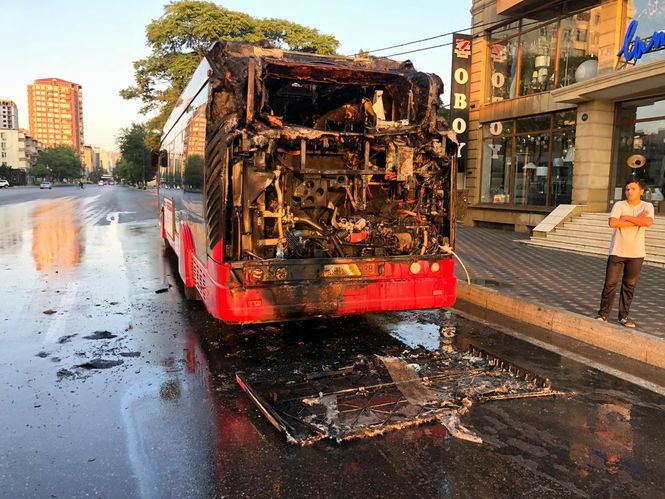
163,158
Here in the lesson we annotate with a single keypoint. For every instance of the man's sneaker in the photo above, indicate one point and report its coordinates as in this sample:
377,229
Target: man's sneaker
626,322
601,318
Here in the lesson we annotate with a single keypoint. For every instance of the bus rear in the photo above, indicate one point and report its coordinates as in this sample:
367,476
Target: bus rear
325,186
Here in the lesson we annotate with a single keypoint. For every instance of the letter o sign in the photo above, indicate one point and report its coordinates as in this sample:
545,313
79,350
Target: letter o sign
461,76
498,80
459,125
496,128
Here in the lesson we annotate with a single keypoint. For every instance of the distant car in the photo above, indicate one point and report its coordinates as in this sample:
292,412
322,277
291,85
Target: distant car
101,182
45,185
3,183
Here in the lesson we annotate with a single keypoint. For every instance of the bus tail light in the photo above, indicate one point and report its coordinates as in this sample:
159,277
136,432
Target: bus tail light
414,268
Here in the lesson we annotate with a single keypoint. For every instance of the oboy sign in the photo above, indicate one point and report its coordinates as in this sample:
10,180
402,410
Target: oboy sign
459,94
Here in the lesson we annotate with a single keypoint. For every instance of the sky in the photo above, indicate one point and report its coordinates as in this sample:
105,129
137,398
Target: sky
94,42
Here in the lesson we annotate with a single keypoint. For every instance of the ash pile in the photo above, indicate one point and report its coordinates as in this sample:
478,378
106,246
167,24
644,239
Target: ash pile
387,393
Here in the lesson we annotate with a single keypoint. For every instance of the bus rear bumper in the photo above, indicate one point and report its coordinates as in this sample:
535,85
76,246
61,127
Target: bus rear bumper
330,298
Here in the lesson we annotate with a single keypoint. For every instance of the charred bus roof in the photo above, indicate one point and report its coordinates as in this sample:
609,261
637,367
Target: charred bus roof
323,93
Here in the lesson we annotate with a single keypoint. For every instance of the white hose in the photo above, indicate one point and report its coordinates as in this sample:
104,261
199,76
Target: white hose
449,250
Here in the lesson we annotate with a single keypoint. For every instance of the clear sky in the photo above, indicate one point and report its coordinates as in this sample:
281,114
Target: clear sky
93,43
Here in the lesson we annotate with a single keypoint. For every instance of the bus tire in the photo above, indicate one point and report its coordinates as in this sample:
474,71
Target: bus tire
191,293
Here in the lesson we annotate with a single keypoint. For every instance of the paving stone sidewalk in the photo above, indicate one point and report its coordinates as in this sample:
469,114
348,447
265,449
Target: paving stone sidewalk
565,280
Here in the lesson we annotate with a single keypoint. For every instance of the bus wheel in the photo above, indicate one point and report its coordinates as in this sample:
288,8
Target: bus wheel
165,246
191,293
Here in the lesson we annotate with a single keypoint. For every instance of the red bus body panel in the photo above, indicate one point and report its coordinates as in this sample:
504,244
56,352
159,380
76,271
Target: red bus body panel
397,289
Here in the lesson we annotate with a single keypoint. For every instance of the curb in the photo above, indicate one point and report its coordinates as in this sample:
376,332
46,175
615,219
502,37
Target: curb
616,339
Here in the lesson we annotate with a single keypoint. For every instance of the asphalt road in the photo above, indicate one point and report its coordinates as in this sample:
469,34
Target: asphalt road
111,385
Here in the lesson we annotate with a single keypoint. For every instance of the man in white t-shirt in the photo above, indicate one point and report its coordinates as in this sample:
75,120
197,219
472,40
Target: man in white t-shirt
629,219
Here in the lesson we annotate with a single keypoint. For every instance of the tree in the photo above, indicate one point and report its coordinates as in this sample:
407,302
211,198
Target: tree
40,171
122,170
96,175
59,162
135,166
193,176
187,29
445,113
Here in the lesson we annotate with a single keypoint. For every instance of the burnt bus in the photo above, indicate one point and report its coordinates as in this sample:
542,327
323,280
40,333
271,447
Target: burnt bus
296,185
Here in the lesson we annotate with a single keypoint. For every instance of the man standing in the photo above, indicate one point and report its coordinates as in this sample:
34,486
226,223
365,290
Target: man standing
629,219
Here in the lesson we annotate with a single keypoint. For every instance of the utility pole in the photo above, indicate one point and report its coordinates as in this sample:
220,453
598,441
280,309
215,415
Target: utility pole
143,165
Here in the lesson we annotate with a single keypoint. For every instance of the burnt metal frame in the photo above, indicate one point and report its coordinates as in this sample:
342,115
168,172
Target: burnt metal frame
386,412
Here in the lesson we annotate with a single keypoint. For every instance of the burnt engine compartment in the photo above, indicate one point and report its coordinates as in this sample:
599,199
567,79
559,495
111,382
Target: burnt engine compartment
331,160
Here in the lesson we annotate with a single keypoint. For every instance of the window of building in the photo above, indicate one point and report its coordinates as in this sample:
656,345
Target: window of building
537,57
529,161
639,147
503,62
650,16
543,55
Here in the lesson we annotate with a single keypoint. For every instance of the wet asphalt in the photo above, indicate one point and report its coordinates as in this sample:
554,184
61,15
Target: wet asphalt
111,385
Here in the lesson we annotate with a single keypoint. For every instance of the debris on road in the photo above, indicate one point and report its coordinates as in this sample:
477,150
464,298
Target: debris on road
388,393
66,339
162,290
65,373
100,364
49,312
101,335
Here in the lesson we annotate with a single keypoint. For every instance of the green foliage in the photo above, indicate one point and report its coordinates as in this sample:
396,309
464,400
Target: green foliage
135,165
445,113
41,171
58,162
96,175
122,170
193,175
187,29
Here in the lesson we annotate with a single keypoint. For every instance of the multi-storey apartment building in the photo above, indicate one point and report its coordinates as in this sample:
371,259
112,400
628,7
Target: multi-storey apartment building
8,114
87,159
566,102
56,112
18,151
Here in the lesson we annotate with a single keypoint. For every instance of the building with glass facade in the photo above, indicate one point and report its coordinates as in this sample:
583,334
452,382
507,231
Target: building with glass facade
567,101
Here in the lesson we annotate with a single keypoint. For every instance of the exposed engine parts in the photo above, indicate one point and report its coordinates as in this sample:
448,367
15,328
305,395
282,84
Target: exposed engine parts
330,157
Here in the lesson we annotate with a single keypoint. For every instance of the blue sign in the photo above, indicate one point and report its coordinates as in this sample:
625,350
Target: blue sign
634,47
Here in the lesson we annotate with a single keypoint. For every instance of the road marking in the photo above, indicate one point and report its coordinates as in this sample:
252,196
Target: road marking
57,327
114,216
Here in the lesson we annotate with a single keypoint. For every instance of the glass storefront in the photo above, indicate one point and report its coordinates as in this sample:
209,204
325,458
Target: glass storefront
650,16
639,148
529,161
529,56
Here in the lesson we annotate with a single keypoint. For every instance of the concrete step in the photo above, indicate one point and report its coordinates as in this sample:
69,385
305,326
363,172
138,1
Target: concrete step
652,238
652,249
656,261
658,221
602,224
